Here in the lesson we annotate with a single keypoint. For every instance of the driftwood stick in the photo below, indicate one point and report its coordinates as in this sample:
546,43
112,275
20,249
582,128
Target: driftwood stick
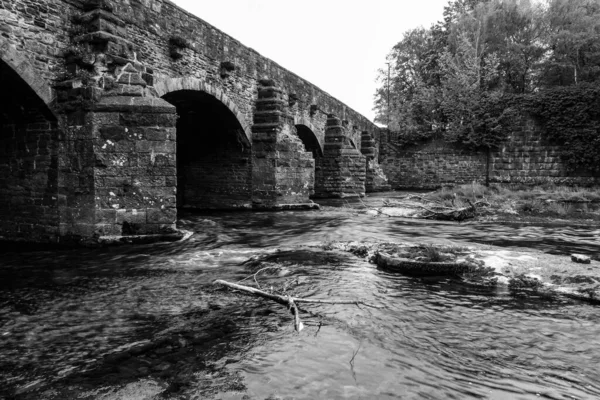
294,310
319,301
276,298
283,300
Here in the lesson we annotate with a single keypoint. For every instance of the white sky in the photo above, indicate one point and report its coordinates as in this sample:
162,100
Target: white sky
337,45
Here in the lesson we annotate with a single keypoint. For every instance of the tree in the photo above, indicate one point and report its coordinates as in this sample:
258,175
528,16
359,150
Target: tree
409,78
574,37
458,79
516,34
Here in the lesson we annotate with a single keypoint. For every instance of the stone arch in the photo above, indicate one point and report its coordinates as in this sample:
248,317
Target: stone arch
166,85
214,152
23,67
29,152
310,130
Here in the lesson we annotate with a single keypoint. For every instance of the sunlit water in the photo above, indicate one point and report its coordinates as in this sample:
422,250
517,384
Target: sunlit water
85,323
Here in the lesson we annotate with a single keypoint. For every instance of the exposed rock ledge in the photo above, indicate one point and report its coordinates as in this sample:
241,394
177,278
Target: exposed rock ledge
515,270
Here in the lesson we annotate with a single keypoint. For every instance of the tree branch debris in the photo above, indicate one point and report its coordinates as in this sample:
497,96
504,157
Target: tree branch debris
288,301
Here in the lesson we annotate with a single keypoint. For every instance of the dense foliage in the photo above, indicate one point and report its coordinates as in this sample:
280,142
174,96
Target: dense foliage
467,78
571,117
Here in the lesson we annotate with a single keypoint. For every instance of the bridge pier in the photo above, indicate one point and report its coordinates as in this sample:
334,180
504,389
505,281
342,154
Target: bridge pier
117,163
375,180
282,170
341,171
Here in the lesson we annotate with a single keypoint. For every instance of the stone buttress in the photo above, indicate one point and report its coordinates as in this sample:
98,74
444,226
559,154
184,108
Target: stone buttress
376,181
282,170
341,171
117,157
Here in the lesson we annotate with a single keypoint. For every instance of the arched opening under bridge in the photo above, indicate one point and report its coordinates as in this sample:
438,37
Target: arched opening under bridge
28,161
213,153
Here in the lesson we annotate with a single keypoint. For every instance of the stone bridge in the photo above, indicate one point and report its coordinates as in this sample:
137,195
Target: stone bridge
115,113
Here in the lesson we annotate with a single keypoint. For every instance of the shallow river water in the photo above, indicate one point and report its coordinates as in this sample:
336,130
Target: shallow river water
145,322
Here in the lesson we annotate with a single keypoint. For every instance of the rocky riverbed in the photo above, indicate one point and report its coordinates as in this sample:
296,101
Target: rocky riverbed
489,206
575,276
147,322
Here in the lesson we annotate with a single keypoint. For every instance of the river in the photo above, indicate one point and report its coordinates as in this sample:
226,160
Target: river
136,322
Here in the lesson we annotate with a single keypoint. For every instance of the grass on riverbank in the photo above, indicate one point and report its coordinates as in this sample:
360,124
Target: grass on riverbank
540,201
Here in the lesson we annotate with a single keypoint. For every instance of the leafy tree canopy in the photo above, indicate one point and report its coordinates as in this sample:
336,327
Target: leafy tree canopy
466,78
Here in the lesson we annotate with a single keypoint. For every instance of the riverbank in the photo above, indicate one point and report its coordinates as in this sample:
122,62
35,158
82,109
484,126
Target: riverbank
538,205
517,271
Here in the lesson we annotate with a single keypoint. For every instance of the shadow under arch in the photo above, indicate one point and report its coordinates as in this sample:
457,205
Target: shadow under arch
165,85
214,158
306,133
29,167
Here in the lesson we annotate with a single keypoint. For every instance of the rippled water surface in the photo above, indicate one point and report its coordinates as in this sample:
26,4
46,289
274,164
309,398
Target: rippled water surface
136,322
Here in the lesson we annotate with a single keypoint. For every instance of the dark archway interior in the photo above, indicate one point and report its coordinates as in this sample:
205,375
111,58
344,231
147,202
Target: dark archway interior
28,161
19,103
310,140
213,155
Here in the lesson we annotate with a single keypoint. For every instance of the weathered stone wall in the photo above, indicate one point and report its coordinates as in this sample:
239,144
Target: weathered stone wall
28,181
282,169
29,138
526,158
34,34
342,169
107,70
135,168
375,180
219,180
76,165
431,165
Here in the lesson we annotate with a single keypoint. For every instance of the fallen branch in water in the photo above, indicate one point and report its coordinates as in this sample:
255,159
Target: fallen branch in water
258,272
288,301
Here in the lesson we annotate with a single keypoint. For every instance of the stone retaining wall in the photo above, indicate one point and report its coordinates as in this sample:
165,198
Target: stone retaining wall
526,158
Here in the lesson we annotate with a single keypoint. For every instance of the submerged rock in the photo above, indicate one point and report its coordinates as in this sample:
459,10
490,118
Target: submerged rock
580,258
545,274
423,268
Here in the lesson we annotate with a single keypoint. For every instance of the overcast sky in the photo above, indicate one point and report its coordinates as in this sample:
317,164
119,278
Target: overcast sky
337,45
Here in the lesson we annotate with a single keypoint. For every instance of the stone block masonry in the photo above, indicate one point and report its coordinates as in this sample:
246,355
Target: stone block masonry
28,181
375,180
133,109
29,170
135,174
525,159
431,165
282,169
342,169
